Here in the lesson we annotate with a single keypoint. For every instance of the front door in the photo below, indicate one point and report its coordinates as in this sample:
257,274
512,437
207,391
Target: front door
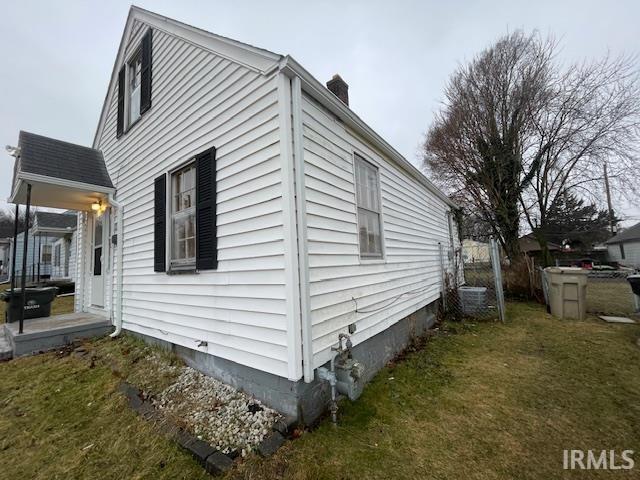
97,277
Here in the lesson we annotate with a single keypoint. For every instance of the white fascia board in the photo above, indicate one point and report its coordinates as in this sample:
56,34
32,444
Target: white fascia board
52,231
61,182
256,59
321,94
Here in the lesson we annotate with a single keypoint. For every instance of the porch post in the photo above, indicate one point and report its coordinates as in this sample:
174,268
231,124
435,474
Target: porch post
39,255
24,259
15,246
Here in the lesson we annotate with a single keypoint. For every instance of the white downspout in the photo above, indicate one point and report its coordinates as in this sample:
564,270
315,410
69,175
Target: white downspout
117,307
301,213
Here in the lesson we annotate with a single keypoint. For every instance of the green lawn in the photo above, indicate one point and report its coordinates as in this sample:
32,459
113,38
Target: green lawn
478,401
484,401
62,417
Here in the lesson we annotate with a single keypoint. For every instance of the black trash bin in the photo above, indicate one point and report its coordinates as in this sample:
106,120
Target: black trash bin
634,280
38,302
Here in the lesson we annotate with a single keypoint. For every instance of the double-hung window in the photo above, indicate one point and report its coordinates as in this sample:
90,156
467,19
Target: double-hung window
183,217
135,78
368,202
45,254
134,85
185,237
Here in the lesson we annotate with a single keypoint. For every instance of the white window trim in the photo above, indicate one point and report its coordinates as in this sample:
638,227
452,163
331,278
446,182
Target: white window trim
178,265
368,259
127,88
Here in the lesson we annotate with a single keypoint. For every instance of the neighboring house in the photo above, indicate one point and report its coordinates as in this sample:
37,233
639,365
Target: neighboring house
474,251
624,248
250,217
51,248
531,246
5,256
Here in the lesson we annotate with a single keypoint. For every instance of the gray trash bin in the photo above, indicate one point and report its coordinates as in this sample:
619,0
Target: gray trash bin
567,292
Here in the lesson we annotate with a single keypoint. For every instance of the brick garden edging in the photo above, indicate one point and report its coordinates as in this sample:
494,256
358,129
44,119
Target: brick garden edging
214,461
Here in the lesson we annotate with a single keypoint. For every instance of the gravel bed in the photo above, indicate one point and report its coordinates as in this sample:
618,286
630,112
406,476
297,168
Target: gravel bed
217,413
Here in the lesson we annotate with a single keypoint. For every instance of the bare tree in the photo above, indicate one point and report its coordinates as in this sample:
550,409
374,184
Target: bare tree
516,131
592,115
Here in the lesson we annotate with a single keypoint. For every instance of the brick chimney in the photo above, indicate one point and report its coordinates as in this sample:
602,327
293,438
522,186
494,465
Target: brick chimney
339,88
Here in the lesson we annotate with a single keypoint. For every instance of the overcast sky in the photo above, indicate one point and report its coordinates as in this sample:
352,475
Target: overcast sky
395,55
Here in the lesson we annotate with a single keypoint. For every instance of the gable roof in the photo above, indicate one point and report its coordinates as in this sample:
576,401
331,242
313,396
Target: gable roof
627,235
265,62
49,157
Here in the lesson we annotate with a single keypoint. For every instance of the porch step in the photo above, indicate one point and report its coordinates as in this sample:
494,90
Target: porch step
6,352
47,333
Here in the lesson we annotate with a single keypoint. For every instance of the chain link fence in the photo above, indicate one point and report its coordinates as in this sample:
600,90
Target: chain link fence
472,281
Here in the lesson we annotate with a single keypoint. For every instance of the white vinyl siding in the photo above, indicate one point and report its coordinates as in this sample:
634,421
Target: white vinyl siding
201,100
631,253
414,220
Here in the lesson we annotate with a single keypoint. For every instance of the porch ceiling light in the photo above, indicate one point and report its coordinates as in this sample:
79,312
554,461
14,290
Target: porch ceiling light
95,206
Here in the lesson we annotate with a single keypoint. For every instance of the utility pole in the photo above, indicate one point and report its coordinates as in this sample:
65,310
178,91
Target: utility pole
612,226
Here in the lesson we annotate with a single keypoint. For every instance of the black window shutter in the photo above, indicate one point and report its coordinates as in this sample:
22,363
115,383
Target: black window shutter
145,73
159,224
206,233
121,87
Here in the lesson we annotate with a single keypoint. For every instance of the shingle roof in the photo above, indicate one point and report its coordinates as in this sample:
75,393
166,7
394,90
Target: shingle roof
46,220
55,158
631,233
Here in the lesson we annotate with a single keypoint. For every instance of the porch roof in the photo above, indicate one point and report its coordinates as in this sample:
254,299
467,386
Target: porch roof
62,174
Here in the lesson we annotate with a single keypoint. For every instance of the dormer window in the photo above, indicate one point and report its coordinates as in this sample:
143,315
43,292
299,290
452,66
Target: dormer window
134,73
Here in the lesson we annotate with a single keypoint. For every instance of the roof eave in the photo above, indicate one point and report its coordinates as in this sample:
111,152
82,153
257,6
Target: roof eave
290,67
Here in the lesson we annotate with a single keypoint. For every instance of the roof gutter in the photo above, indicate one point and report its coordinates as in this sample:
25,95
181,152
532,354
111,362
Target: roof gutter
316,90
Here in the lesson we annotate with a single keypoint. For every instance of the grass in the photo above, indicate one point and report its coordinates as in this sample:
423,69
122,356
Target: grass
484,401
62,417
479,401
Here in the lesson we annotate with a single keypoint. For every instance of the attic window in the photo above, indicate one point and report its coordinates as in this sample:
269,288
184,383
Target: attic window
134,86
134,73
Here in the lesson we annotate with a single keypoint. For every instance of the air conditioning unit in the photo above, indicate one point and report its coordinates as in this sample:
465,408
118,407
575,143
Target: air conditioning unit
474,300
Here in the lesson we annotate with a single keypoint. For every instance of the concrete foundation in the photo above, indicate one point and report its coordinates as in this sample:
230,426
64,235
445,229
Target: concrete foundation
305,402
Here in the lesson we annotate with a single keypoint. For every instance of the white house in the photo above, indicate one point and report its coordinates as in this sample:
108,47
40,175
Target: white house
51,248
624,248
250,216
474,251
